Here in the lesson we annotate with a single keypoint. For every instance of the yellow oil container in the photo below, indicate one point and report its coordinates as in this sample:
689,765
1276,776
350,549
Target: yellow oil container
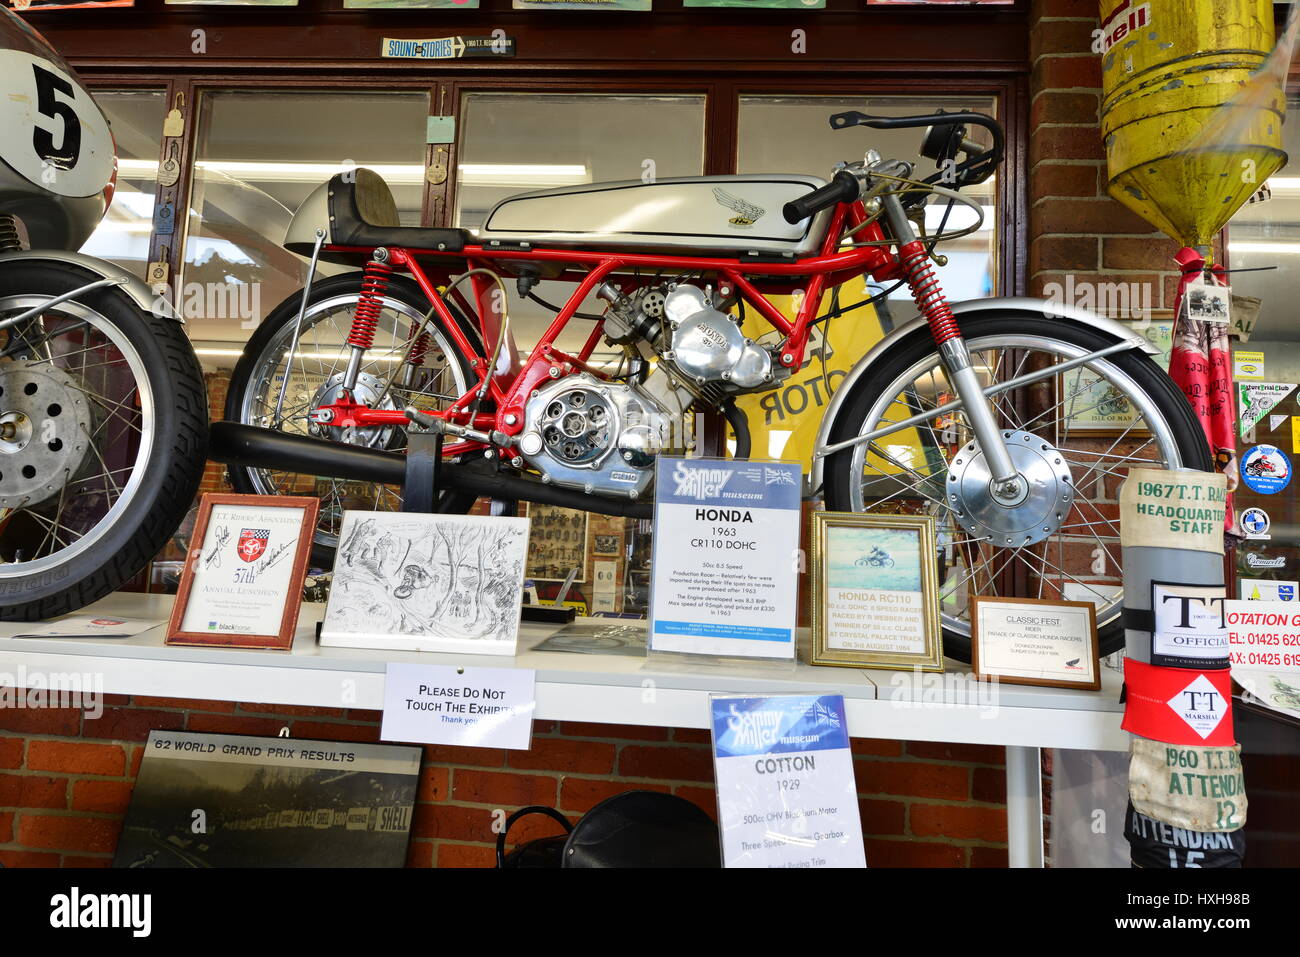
1191,123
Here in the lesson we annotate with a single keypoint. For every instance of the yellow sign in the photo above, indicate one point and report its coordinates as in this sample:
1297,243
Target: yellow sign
1247,365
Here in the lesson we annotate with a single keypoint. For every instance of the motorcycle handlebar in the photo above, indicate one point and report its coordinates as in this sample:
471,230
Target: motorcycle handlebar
844,188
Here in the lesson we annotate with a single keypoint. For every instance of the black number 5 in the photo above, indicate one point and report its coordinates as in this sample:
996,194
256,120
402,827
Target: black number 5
66,154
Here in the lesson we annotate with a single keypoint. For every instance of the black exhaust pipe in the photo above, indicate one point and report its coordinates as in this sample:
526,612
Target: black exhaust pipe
252,446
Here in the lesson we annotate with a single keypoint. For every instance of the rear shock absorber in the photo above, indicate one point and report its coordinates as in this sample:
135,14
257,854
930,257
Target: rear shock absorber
365,319
415,359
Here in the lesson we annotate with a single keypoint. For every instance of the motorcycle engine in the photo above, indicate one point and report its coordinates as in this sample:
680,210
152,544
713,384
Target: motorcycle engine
601,436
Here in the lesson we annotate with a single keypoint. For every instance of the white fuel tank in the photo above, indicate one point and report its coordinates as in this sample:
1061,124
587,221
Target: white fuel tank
728,215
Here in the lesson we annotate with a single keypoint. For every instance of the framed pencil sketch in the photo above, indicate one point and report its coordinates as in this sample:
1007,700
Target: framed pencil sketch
1090,404
241,586
875,597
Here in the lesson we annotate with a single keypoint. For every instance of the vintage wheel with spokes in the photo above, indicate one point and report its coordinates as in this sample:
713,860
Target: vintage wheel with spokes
1069,439
314,377
103,435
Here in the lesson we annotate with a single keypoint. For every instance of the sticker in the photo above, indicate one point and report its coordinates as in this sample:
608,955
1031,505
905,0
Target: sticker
1188,631
1247,365
1274,421
1260,560
447,48
1154,844
440,129
1266,589
1177,705
1265,469
1295,433
1257,399
1164,509
1256,523
1198,788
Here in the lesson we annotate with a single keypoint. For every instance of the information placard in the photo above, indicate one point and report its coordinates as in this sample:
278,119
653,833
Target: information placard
724,575
786,792
468,707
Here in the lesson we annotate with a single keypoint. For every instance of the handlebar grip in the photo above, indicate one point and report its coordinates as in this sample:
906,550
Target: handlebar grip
844,188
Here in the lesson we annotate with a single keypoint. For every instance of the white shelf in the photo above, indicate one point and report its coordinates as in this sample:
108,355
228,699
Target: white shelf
610,689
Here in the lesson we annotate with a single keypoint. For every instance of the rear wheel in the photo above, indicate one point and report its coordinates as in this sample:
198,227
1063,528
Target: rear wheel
1070,436
259,394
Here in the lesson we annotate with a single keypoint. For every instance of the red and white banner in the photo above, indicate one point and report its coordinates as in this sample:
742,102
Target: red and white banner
1178,705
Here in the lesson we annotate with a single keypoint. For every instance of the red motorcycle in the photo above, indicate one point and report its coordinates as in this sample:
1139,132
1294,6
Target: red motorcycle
968,413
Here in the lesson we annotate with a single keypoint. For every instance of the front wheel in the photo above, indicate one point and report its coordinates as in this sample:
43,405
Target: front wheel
1069,437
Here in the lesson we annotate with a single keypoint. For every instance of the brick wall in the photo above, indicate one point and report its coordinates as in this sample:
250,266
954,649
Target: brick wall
65,782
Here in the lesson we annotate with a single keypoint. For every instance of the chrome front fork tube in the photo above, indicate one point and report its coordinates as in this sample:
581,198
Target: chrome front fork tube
979,414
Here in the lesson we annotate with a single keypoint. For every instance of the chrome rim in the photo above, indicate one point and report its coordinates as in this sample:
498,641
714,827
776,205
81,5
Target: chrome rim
1062,540
318,367
79,418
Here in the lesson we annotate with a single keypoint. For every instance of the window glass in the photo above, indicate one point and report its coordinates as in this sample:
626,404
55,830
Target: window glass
258,156
136,118
517,142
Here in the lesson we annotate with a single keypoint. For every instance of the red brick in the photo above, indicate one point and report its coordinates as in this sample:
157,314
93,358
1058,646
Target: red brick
989,784
666,763
1100,216
234,724
79,861
580,795
879,747
6,826
106,797
477,757
1064,179
1061,36
132,724
882,817
187,704
65,833
76,757
948,751
137,755
1066,108
466,855
630,732
293,710
1075,253
506,790
1149,252
420,854
61,721
33,790
11,752
1066,143
988,857
913,778
959,821
329,731
1065,9
545,727
451,822
882,853
565,754
1067,73
27,859
434,784
357,714
692,736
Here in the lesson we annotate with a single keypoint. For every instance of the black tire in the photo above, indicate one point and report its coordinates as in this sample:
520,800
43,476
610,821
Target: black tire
1192,446
177,451
400,288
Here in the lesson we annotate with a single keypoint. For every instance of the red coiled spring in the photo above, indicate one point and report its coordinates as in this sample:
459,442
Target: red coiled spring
929,297
366,317
419,349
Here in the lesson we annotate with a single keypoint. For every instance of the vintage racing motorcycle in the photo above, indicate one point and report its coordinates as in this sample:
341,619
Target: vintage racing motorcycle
967,413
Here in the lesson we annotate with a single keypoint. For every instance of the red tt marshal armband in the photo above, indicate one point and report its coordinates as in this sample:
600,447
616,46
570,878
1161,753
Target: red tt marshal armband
1178,705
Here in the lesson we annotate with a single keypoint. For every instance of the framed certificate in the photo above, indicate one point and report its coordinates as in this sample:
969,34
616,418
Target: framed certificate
1092,405
242,582
874,592
1033,641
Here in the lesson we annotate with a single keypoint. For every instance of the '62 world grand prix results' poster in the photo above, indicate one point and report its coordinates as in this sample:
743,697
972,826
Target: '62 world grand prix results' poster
725,577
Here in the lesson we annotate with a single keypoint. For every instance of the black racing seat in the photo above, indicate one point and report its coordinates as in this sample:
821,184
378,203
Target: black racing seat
364,213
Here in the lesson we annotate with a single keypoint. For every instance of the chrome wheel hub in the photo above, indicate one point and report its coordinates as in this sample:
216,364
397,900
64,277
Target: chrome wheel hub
1020,512
44,428
367,392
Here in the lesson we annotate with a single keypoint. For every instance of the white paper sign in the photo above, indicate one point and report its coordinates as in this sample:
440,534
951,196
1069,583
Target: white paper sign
726,542
602,592
468,707
1263,635
786,791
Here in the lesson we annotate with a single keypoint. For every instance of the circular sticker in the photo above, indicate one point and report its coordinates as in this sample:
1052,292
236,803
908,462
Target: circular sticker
1255,521
1266,469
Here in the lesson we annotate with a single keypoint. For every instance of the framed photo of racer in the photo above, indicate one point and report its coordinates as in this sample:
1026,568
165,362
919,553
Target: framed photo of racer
241,586
874,592
1093,405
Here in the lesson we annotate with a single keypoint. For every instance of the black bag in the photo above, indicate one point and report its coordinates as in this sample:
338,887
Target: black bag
633,829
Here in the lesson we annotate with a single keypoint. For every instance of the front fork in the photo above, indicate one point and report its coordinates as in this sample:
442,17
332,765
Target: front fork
933,304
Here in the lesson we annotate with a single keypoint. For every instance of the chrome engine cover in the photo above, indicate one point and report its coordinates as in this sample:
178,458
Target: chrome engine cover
602,437
707,346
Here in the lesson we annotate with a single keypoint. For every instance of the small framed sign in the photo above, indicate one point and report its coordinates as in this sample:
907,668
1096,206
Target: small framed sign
1034,641
875,601
242,582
